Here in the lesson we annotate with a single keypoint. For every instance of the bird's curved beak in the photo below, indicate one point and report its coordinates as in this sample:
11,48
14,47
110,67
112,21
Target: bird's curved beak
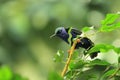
53,35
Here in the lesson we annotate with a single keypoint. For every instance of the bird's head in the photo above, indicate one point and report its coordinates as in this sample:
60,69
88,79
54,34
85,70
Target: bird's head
60,32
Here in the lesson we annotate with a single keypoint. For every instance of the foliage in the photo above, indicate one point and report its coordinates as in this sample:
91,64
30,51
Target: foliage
54,75
95,69
7,74
109,23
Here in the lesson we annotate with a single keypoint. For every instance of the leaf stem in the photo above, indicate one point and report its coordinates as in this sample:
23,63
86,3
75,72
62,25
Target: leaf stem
69,58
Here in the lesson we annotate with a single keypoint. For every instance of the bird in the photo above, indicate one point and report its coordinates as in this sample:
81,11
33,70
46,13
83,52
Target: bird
69,34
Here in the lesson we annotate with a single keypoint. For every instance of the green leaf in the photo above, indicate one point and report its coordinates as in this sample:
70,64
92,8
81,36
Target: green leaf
110,18
54,76
85,29
98,47
5,73
59,56
107,28
109,73
117,50
18,77
76,65
110,23
103,48
99,62
88,74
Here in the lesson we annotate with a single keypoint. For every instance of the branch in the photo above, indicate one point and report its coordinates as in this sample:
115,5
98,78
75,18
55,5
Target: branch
70,56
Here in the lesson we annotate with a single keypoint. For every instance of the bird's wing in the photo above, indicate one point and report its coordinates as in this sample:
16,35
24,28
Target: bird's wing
75,31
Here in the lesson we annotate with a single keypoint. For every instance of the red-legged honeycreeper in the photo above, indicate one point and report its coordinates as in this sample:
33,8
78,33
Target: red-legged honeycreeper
69,34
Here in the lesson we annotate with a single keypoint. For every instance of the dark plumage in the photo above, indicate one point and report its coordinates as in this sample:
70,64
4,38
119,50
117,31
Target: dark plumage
68,34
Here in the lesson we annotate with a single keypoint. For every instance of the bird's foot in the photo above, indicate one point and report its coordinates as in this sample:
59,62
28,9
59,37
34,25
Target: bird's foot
68,51
78,40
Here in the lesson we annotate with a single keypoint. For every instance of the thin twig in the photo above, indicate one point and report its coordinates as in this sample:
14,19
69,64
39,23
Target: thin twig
69,58
114,73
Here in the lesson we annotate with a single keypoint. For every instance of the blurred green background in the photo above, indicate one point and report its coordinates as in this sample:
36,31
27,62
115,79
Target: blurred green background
26,26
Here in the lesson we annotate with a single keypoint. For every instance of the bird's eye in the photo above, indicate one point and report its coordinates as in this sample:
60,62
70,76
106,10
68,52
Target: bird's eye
59,31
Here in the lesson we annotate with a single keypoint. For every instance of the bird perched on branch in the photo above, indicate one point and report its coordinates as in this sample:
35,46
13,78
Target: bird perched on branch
69,34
